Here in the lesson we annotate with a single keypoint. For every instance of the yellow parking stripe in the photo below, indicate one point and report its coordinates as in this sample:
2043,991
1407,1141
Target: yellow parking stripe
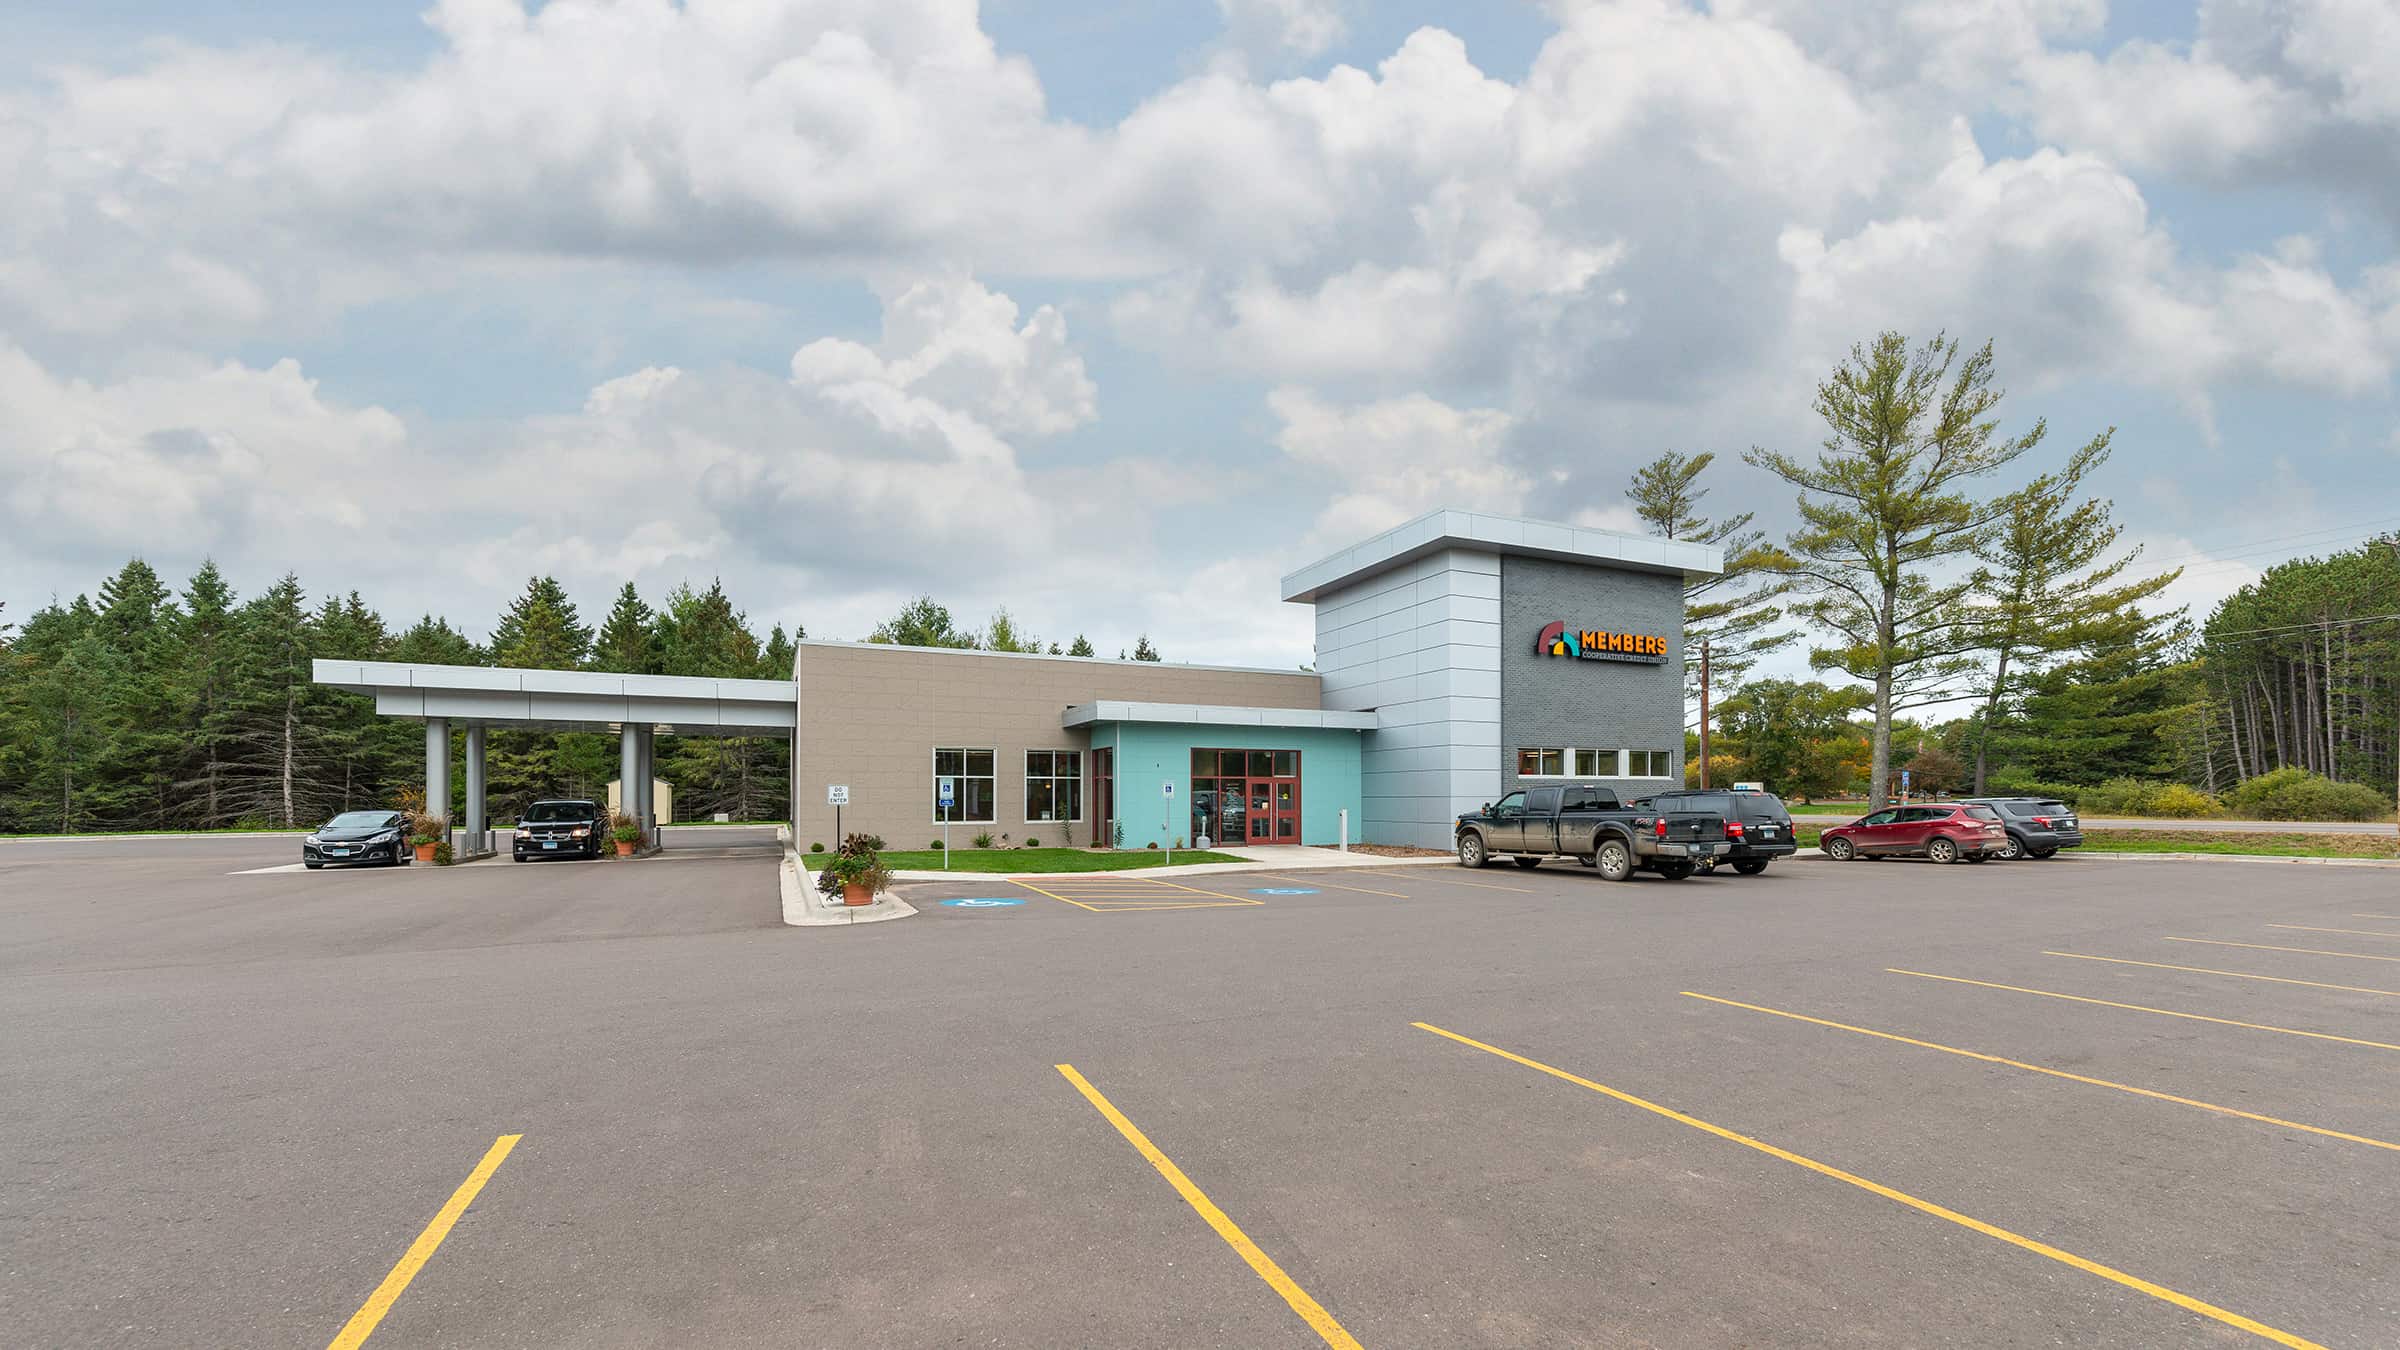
2110,1273
2354,932
1052,894
2236,974
2301,951
362,1323
2054,1073
1310,1310
2136,1007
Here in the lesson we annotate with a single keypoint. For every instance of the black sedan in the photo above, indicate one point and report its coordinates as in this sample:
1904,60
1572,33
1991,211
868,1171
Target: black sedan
377,837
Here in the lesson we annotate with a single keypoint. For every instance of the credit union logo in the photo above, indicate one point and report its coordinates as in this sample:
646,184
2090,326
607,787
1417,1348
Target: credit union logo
1598,644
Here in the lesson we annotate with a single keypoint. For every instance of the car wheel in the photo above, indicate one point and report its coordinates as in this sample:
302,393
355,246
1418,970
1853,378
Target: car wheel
312,866
2012,850
1979,857
1470,851
1614,859
518,856
1840,850
2045,853
1942,849
1675,871
1527,863
1750,867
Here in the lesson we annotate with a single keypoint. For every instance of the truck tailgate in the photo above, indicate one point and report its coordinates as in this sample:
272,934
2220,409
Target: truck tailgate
1689,827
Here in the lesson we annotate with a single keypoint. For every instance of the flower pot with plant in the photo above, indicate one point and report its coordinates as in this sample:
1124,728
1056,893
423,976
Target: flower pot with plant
856,873
425,832
627,832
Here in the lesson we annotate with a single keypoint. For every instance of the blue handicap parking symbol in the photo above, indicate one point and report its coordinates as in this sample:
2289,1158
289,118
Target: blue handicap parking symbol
985,902
1283,890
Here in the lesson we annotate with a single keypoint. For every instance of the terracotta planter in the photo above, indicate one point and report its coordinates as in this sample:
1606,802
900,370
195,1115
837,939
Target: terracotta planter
425,852
624,848
855,894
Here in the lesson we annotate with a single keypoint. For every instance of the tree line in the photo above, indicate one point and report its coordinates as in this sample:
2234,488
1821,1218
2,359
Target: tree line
139,707
1941,565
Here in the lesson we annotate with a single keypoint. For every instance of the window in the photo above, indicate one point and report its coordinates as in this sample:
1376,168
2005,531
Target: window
1599,764
1053,785
1541,763
970,772
1511,807
1589,799
1649,764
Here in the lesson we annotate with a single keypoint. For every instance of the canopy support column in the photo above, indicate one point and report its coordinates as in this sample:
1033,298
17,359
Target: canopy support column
478,838
437,768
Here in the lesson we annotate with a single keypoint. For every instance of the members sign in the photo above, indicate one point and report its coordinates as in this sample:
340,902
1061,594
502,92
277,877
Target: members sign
1600,644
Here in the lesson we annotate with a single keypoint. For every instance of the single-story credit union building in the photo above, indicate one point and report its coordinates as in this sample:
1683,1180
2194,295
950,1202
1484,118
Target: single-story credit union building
1459,656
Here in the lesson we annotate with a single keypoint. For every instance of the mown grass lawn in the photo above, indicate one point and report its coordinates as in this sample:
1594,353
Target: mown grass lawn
1034,859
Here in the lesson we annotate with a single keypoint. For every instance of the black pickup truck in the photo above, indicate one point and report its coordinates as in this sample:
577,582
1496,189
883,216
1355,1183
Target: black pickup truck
1586,822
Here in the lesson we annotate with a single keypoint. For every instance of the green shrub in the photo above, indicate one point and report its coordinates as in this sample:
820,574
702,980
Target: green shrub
442,856
2297,794
2184,803
937,846
817,847
1031,842
2120,798
983,839
1152,846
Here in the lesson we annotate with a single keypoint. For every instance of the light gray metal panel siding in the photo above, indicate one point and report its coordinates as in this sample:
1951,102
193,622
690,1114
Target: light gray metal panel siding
1606,705
1418,644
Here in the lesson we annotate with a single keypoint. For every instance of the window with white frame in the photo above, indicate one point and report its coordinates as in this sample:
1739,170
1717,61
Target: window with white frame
971,777
1573,761
1542,763
1053,785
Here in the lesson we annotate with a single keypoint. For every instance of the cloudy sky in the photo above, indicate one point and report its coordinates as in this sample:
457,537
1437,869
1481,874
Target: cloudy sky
1114,313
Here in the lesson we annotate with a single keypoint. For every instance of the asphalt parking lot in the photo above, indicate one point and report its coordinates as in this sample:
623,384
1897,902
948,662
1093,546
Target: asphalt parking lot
2077,1103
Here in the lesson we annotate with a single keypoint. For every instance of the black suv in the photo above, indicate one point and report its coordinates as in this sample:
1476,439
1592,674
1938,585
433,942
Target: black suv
566,828
2037,826
1758,823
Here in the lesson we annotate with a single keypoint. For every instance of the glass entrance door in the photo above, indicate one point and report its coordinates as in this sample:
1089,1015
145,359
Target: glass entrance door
1246,796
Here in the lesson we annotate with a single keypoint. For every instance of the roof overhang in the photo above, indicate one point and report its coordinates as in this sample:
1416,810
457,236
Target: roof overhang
568,700
1508,536
1207,714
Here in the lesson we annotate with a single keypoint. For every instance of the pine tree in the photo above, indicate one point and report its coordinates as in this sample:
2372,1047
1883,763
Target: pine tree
1881,508
922,623
775,658
1143,651
628,640
272,770
541,630
432,641
2046,589
132,785
208,645
1734,612
1081,646
701,633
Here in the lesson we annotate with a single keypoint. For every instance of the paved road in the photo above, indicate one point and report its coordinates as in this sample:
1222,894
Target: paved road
235,1100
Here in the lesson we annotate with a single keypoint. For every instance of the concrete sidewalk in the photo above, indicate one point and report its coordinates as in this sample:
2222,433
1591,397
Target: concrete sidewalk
1278,857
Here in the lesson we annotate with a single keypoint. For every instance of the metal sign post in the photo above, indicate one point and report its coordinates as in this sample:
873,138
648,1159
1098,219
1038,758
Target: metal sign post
837,796
1166,792
948,794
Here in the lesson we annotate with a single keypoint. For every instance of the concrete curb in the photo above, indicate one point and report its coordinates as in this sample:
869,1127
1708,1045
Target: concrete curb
805,907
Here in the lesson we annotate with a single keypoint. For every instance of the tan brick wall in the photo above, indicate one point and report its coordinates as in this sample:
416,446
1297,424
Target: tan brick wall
871,717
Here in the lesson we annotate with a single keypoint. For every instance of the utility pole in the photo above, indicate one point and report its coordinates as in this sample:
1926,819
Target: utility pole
1704,712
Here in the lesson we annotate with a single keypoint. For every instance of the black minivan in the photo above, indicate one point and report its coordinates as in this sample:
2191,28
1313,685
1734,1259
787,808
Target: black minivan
1758,823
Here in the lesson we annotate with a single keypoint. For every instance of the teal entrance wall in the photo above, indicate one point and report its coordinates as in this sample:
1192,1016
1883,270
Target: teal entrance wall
1151,753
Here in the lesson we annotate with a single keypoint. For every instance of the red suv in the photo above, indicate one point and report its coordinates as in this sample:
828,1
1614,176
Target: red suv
1944,832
